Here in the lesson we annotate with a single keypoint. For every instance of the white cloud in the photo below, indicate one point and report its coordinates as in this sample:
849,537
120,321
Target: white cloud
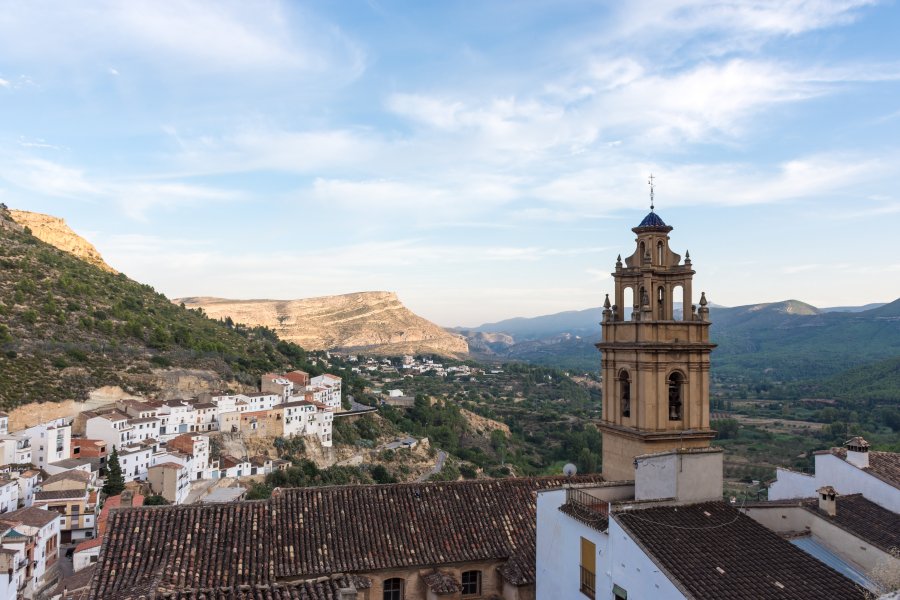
134,197
260,148
202,35
4,83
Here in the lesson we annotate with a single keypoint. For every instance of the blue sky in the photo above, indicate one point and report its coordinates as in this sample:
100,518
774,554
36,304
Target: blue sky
482,159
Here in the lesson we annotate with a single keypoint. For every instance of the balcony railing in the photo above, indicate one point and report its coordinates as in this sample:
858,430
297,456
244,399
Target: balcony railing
588,583
586,500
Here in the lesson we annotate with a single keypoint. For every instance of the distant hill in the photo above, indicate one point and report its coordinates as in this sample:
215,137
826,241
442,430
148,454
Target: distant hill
374,322
785,341
68,326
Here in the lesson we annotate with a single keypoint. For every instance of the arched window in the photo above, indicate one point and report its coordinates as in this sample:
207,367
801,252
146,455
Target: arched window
676,387
643,250
471,583
659,253
393,589
625,393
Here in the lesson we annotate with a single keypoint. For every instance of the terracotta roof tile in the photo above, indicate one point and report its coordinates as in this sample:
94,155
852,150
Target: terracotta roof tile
313,532
863,518
441,582
711,550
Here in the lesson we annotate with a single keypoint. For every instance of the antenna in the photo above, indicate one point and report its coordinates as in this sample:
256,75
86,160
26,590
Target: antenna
650,181
569,469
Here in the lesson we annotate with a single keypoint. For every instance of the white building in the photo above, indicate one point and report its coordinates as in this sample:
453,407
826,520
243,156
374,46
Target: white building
306,418
37,533
10,560
27,481
668,534
849,470
50,441
112,427
332,386
197,447
86,553
15,449
9,494
176,417
4,423
135,460
258,401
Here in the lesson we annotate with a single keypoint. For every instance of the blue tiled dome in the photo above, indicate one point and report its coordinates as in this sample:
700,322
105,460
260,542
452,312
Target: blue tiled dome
652,220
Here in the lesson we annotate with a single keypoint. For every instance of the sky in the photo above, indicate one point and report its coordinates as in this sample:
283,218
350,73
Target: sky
484,160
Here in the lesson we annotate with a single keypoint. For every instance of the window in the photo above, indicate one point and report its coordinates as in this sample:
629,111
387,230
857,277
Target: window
588,583
676,384
393,589
625,393
471,583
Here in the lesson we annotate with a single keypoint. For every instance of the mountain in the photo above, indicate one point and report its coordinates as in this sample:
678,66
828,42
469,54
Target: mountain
55,232
783,341
68,326
376,322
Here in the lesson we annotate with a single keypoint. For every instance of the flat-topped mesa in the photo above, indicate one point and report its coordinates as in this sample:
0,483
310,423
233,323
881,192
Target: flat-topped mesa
376,322
655,367
54,231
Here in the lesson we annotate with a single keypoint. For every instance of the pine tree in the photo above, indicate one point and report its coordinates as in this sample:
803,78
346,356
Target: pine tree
115,482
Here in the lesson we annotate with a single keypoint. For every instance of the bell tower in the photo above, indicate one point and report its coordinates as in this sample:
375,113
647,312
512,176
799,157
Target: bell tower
655,362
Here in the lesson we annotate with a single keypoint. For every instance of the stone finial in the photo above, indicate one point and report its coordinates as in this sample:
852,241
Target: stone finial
619,262
703,313
607,309
606,303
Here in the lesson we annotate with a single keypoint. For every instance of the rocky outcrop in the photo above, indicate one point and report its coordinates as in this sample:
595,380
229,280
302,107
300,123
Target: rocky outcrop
376,322
55,232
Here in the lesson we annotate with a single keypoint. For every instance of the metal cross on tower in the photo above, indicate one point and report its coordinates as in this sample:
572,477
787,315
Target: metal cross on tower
650,181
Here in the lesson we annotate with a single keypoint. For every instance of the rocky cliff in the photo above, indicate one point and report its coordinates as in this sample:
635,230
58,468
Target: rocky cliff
376,322
55,232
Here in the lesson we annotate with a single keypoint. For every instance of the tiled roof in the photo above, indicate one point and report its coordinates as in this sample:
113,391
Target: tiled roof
405,525
441,582
865,519
306,590
32,516
168,465
79,476
94,543
76,584
652,220
711,550
61,494
884,465
185,547
312,532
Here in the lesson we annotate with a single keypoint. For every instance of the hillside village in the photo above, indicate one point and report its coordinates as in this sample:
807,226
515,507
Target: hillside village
75,490
161,448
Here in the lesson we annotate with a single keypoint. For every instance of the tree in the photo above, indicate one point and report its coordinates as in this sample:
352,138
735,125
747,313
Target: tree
115,481
155,500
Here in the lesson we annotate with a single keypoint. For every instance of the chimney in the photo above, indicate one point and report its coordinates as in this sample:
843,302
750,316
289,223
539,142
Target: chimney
858,452
127,499
828,500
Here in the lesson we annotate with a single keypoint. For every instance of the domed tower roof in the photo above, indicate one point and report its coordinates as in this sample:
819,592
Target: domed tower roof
652,222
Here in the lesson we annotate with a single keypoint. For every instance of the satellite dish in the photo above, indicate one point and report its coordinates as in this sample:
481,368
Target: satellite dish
570,469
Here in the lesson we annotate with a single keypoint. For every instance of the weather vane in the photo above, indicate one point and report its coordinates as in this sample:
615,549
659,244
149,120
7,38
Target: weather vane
650,181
